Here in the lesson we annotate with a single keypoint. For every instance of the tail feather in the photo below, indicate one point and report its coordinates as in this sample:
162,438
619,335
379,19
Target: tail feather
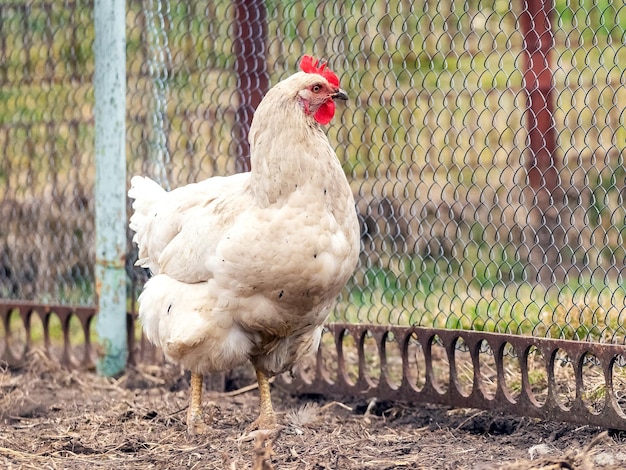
147,195
145,192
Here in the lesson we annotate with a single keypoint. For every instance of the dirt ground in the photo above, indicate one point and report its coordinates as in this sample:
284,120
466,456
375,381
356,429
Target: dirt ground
51,418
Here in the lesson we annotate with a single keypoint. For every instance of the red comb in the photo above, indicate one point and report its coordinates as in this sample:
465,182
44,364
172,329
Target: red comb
310,65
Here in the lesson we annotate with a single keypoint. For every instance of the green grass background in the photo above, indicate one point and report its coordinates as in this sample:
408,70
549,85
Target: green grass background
433,142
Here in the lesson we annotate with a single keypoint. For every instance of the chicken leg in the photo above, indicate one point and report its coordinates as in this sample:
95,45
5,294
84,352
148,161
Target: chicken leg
195,423
267,417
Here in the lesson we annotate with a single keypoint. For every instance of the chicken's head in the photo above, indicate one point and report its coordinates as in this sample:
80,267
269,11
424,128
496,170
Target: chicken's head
317,98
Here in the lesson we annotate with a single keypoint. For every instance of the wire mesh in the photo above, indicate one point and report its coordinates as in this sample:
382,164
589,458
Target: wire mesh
437,142
46,169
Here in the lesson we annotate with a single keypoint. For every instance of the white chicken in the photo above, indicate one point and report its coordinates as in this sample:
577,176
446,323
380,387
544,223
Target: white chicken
246,267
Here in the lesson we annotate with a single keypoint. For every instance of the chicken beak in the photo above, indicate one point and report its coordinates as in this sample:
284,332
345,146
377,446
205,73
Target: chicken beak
340,94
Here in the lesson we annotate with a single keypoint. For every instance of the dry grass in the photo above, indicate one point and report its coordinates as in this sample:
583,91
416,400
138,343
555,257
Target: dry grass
53,418
573,459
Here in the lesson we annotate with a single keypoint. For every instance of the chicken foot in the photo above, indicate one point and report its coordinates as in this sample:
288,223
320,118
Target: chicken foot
267,417
195,423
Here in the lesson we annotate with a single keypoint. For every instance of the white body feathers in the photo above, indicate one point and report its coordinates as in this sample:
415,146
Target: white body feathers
247,267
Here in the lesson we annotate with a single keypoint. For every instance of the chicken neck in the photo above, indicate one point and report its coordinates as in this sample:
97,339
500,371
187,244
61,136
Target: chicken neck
298,158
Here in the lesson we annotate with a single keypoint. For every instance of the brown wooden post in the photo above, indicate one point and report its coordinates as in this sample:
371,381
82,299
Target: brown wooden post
250,47
544,192
536,26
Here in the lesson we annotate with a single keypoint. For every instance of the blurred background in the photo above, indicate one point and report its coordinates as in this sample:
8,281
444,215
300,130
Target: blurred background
484,141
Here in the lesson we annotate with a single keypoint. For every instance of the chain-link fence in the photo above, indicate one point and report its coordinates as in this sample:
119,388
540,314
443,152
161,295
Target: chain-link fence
484,141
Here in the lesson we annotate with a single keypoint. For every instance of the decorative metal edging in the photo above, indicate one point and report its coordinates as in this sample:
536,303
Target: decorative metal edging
611,415
525,404
26,310
13,351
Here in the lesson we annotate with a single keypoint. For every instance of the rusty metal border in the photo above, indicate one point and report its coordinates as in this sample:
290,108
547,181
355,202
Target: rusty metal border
525,404
16,355
26,310
611,416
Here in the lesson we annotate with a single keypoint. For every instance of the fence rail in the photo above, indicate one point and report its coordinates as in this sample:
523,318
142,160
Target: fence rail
485,143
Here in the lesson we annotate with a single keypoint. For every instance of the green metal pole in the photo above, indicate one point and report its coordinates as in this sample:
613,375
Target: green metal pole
110,193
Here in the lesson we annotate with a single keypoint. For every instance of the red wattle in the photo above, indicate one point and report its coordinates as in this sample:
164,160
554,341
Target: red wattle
325,112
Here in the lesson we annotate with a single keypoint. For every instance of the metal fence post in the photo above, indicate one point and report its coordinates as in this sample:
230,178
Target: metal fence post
110,191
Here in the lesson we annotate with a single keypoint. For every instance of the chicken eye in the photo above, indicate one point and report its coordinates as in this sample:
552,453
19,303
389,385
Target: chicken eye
316,88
